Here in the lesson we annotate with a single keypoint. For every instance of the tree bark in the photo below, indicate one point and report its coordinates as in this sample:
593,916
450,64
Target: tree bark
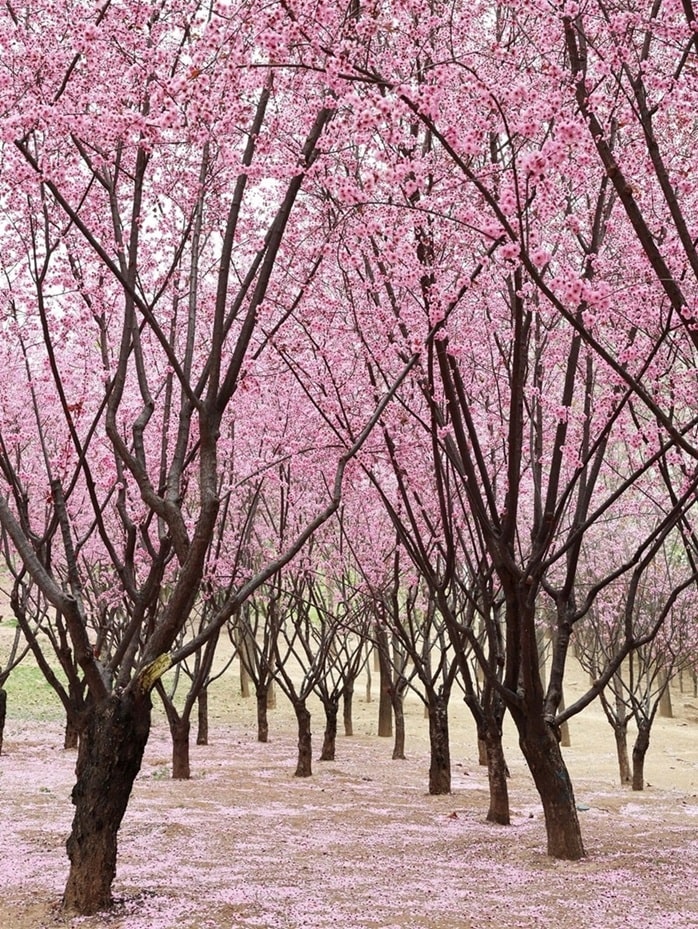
244,682
399,714
71,735
304,767
347,710
202,717
440,764
330,738
665,708
109,758
397,698
262,694
620,731
385,706
642,743
482,749
181,768
540,746
497,772
3,715
565,738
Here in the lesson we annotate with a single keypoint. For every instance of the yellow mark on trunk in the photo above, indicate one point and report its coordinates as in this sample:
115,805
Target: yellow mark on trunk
152,672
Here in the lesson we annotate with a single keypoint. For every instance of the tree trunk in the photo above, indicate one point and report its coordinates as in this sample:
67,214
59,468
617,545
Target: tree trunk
565,739
262,694
330,738
440,764
3,715
665,707
620,731
642,743
385,706
71,735
202,717
398,699
109,758
347,710
244,682
482,749
541,748
305,751
181,768
497,772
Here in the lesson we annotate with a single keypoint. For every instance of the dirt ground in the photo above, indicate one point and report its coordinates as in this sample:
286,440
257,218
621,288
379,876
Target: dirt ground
360,844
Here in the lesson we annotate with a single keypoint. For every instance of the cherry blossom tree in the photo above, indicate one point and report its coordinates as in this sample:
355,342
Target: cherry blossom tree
205,205
153,183
654,607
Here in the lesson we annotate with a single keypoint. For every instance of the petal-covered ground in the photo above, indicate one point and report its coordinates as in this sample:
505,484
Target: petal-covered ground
360,844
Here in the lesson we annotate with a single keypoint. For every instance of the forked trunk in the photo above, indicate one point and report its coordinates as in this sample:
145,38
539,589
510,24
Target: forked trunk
620,731
330,738
181,768
262,695
347,710
440,764
202,717
497,772
305,749
109,758
541,749
642,743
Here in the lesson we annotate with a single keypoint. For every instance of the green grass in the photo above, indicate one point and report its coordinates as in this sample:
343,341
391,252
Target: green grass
29,697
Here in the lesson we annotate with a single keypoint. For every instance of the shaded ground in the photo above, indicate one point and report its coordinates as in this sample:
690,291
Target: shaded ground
360,845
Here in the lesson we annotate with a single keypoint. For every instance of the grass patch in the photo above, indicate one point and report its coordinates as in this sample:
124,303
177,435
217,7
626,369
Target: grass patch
30,697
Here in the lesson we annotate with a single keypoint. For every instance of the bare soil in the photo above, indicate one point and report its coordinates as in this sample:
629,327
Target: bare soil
360,844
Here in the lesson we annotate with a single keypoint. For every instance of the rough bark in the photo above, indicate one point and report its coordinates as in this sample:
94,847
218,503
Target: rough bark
399,714
262,694
541,748
642,743
565,738
181,768
109,758
71,735
202,717
439,744
3,714
347,710
329,741
482,749
497,772
304,767
385,706
620,731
